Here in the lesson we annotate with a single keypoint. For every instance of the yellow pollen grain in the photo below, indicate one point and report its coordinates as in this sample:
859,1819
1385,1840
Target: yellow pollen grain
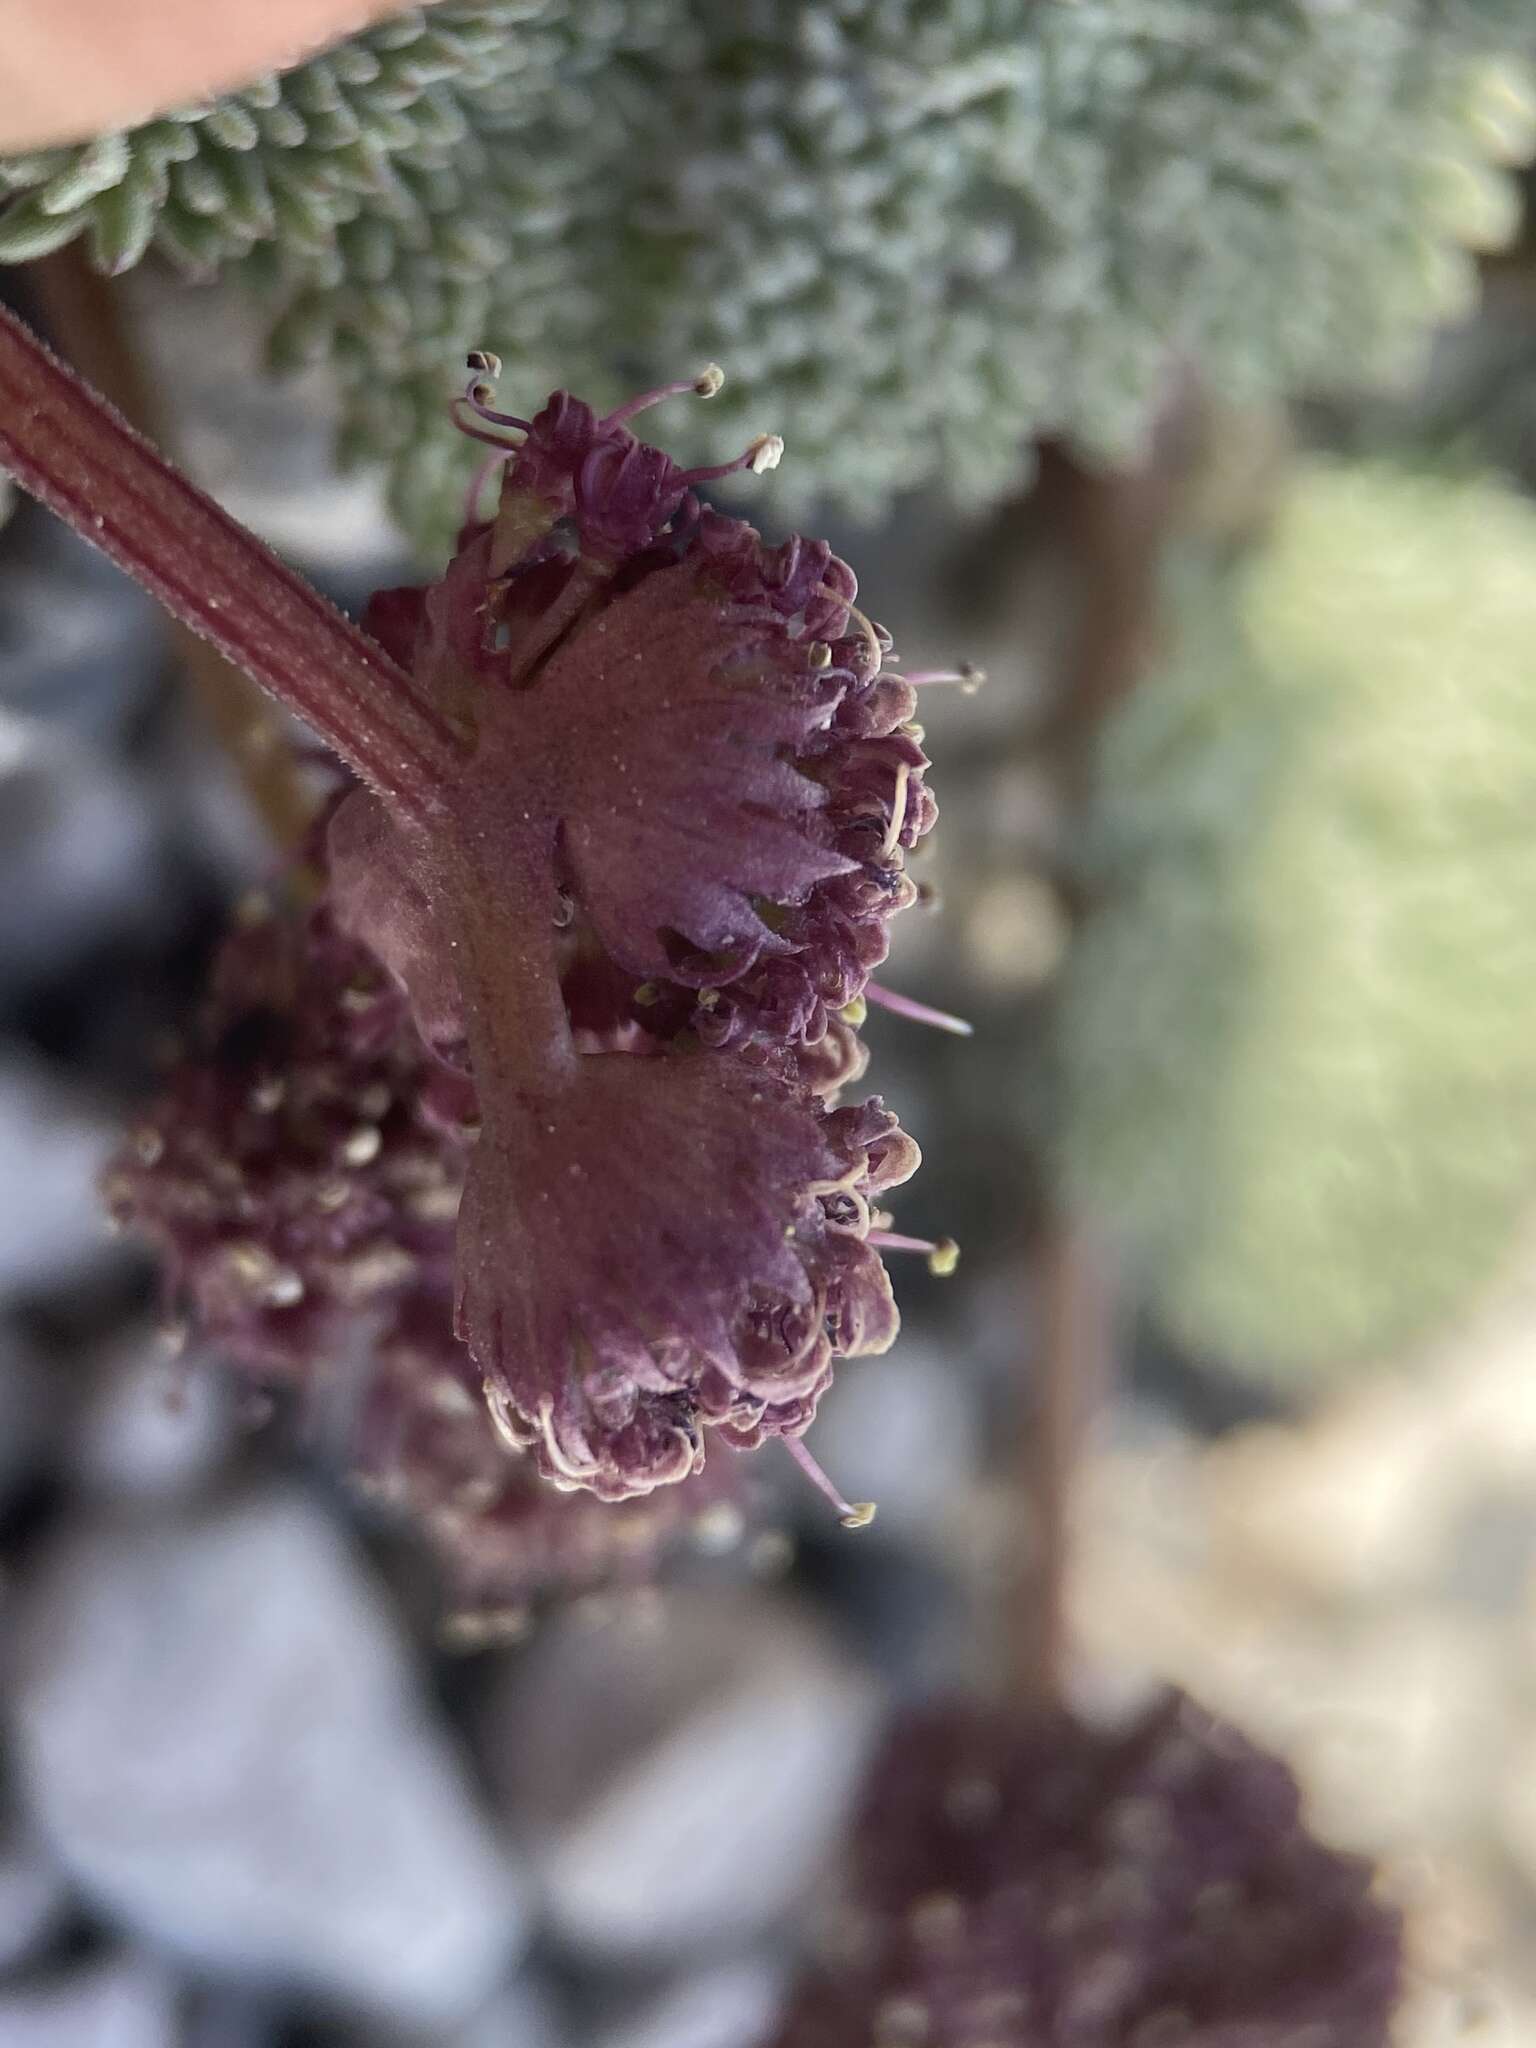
944,1258
362,1147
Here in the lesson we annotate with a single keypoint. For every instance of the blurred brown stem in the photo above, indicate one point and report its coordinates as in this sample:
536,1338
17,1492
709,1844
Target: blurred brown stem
1072,1372
84,314
1112,529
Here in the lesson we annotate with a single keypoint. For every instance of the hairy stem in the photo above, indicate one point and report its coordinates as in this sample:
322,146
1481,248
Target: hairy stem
84,314
81,458
500,907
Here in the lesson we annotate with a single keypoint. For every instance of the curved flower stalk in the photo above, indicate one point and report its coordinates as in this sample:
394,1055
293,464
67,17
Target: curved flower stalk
1052,1882
622,747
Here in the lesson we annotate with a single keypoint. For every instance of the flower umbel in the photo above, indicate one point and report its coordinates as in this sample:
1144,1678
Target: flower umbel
680,1240
301,1176
692,727
302,1171
1057,1884
421,1446
634,797
682,820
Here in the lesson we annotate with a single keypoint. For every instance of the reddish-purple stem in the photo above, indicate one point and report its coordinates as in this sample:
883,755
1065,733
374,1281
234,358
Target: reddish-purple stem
78,455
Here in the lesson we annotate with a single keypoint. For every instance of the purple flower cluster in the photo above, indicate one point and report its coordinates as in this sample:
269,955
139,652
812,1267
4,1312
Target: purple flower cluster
666,866
690,730
507,1540
579,978
1057,1886
301,1176
302,1170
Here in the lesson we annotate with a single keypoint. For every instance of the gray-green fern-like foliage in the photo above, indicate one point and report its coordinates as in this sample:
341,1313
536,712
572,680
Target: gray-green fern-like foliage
916,232
1299,1062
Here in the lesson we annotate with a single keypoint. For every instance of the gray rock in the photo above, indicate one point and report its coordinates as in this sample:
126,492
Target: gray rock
28,1414
80,646
78,847
120,2002
703,1779
149,1426
219,1730
523,2015
33,1898
903,1432
52,1147
731,2007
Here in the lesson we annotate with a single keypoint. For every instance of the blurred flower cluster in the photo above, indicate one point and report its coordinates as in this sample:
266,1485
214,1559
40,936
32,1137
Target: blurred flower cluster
1072,1884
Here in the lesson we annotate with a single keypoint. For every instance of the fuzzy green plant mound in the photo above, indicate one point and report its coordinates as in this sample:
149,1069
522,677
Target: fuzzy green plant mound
295,158
1298,1033
916,232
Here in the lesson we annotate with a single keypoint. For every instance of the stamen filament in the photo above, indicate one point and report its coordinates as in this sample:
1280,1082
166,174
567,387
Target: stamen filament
482,476
967,677
898,809
491,440
704,385
920,1013
481,388
943,1253
764,453
856,1514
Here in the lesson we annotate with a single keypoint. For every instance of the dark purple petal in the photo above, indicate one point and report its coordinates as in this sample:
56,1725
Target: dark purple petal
619,492
665,744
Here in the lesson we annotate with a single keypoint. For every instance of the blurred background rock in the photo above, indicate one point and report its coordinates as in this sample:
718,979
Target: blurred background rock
1263,990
